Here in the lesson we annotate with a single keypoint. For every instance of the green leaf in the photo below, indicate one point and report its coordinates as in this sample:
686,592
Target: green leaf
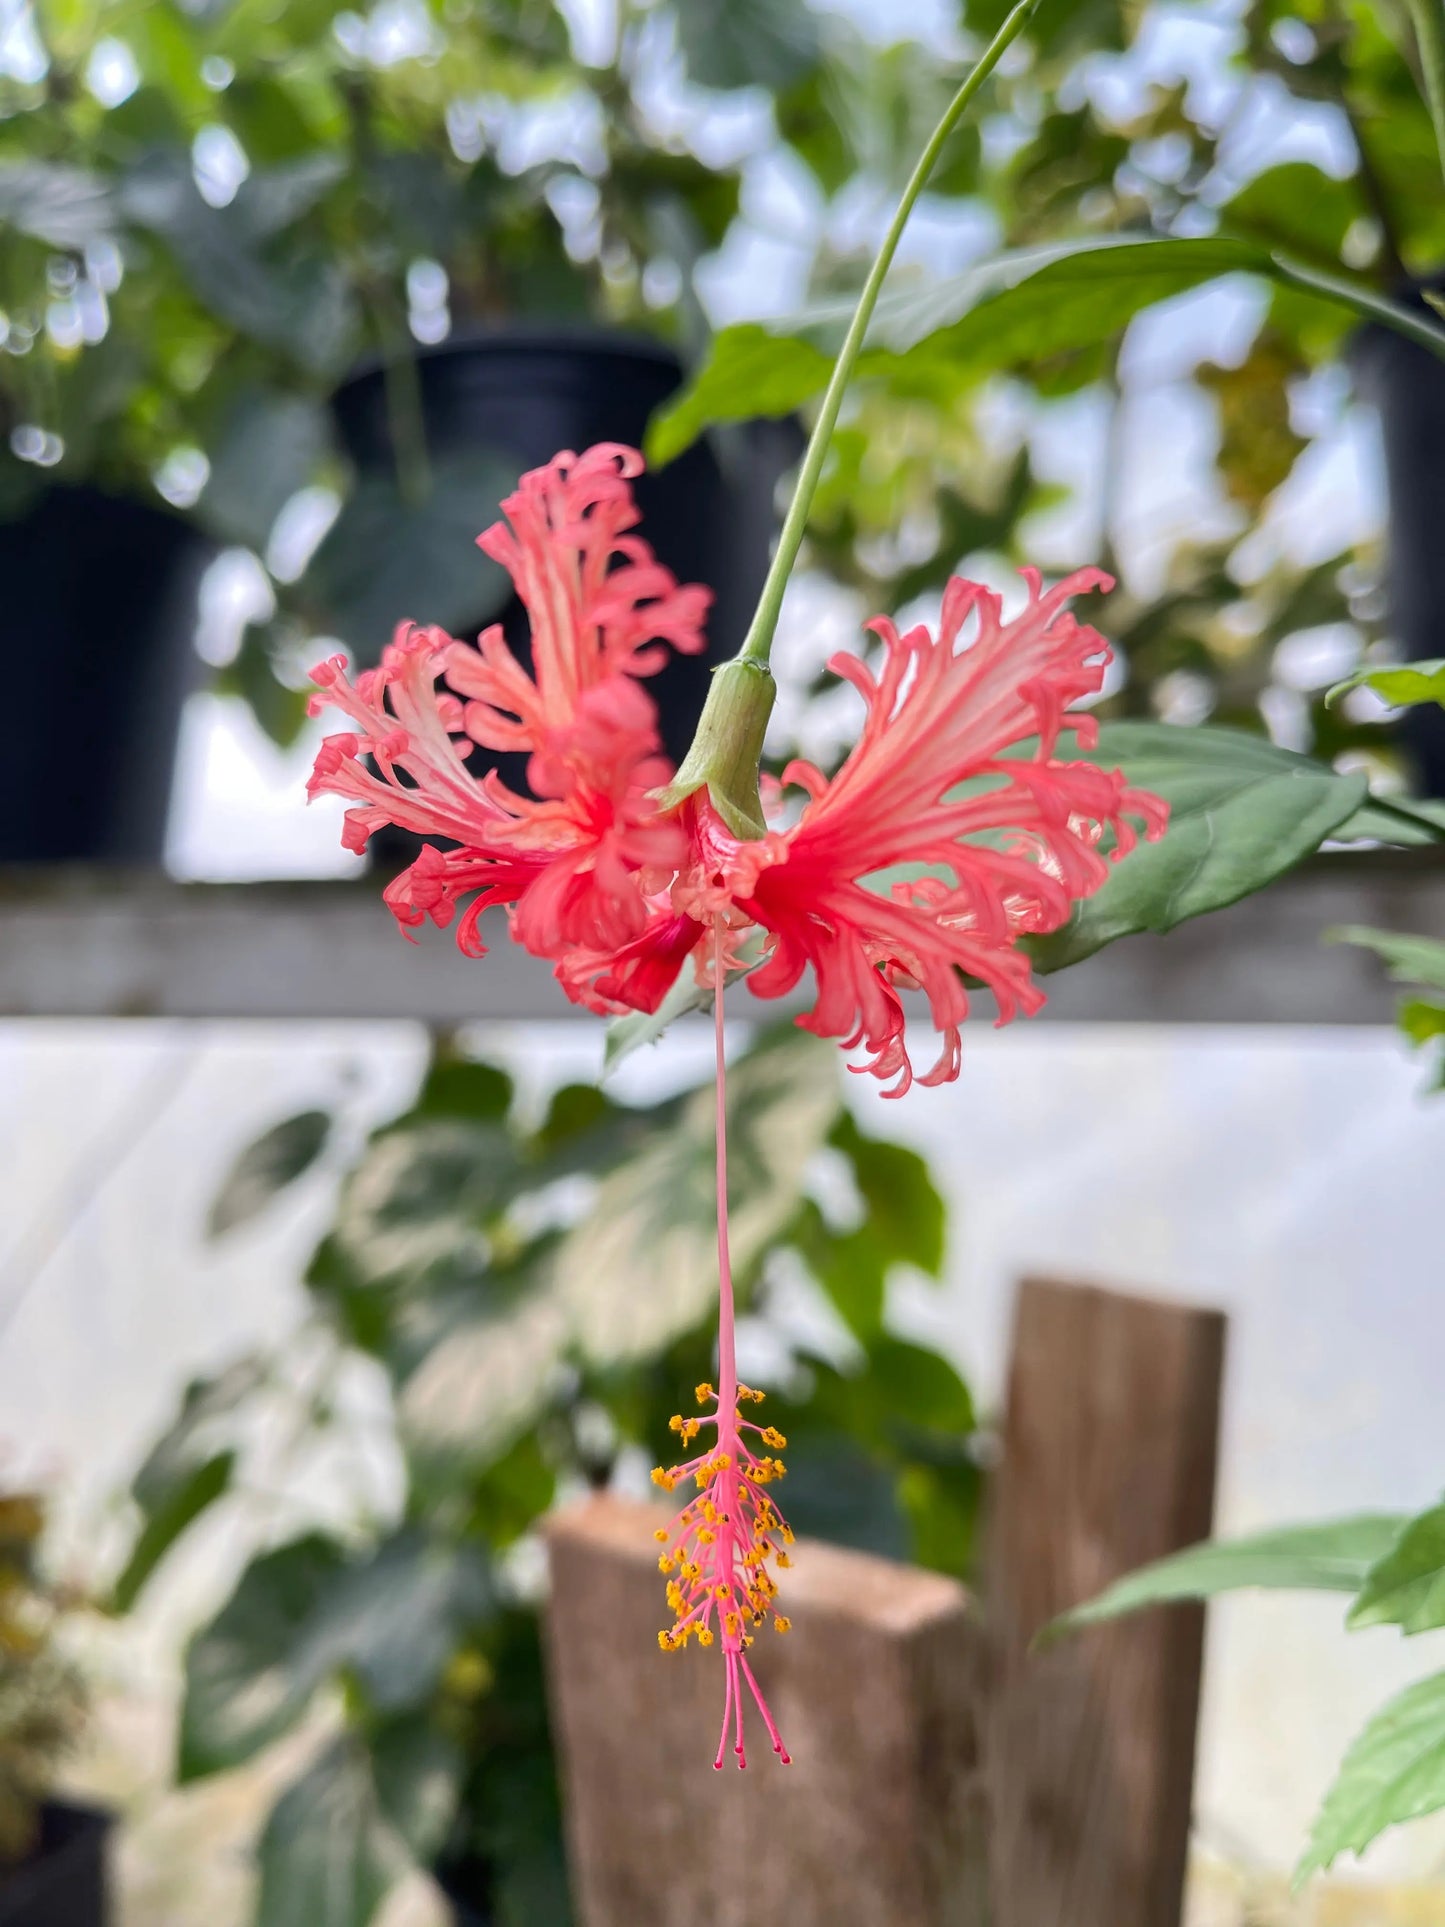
1406,1588
277,1158
388,559
1024,306
905,1211
181,1508
327,1857
418,1774
838,1491
1414,822
269,446
455,1087
186,1471
1412,960
1334,1556
1401,684
1241,813
245,1684
747,43
641,1268
62,206
305,1615
1395,1771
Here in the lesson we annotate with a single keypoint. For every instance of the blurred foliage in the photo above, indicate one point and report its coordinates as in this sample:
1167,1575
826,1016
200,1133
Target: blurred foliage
533,1289
561,179
42,1695
1100,192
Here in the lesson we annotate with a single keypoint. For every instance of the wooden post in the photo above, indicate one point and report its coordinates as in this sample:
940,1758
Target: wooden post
1108,1462
876,1822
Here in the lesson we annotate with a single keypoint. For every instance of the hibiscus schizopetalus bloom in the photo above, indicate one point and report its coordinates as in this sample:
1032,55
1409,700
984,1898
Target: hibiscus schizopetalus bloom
955,788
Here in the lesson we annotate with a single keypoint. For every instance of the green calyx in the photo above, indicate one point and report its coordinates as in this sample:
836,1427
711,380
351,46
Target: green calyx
727,750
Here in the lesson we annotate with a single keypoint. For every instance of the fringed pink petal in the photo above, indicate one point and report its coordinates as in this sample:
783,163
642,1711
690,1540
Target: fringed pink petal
599,603
996,845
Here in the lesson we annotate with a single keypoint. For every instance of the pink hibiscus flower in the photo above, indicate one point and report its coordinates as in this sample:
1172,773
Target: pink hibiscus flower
955,782
951,830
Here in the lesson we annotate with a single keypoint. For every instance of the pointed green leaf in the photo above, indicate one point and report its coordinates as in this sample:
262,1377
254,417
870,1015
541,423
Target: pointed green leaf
306,1614
1401,684
1334,1556
277,1158
1406,1588
1018,307
181,1507
327,1856
1394,1771
1412,960
1241,813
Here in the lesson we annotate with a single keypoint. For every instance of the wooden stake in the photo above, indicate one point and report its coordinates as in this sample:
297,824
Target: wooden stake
1108,1462
876,1822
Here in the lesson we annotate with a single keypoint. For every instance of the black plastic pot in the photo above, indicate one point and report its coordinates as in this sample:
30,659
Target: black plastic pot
1406,384
524,396
97,619
63,1883
467,1886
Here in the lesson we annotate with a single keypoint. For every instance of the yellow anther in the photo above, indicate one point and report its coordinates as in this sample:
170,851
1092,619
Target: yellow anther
783,1560
782,1624
704,1636
787,1532
724,1591
772,1436
666,1562
666,1641
663,1477
710,1512
734,1624
706,1538
661,1535
704,1393
674,1424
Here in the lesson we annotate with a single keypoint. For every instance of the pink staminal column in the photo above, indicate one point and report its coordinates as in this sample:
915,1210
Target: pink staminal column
717,1550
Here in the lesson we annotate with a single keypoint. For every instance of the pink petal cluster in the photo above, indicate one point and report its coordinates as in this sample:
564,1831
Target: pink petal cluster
955,787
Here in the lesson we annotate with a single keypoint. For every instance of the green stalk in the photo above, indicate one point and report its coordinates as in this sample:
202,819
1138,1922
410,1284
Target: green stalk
725,752
1428,17
759,640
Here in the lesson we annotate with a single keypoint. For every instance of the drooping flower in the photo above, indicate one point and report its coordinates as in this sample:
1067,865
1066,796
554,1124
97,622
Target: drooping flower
955,787
953,829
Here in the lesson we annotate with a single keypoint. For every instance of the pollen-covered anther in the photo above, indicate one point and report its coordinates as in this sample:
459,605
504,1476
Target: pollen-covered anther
705,1394
781,1623
661,1535
772,1436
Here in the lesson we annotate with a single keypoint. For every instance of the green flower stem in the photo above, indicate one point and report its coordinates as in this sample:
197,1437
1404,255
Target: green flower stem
759,641
1428,17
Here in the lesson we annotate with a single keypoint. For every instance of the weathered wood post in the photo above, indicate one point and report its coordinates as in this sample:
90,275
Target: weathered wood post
876,1822
889,1680
1108,1461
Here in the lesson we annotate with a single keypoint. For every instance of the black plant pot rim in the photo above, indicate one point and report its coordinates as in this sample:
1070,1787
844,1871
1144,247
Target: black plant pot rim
546,340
